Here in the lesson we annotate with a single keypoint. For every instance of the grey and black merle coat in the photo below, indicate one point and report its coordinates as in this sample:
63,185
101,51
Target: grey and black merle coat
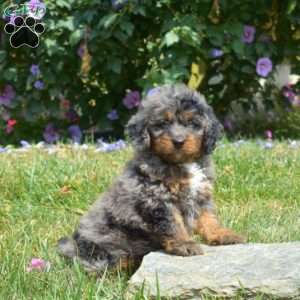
164,194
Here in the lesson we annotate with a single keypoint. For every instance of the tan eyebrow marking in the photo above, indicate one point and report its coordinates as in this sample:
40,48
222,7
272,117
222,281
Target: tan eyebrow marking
187,115
168,116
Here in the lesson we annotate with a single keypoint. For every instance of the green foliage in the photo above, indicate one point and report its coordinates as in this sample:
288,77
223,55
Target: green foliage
136,45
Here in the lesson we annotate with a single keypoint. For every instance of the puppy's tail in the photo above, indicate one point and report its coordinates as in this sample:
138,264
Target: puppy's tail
67,246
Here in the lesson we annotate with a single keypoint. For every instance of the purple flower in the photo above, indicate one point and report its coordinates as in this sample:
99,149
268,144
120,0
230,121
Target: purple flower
38,264
113,115
75,133
265,145
268,145
289,94
80,51
118,4
109,147
7,94
37,9
72,115
35,70
132,100
248,34
296,100
50,134
215,53
264,66
2,150
12,19
153,91
39,85
228,124
239,143
25,144
35,2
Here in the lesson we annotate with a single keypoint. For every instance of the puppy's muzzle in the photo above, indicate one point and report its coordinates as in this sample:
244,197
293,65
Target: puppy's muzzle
178,142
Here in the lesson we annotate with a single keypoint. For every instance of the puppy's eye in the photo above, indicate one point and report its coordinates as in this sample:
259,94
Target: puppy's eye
194,124
160,126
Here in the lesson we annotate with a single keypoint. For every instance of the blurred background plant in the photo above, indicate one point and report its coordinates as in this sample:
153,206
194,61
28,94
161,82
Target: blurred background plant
97,59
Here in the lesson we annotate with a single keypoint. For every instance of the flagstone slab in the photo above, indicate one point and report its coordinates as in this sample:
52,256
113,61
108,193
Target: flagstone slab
223,271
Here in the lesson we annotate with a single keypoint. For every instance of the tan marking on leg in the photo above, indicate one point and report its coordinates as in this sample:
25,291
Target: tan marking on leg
129,264
181,242
181,233
213,233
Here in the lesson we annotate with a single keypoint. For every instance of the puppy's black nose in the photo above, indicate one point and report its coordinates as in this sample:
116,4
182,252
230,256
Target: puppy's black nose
178,143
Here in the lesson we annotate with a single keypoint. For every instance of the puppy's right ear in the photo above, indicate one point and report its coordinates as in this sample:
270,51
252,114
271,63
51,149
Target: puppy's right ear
137,131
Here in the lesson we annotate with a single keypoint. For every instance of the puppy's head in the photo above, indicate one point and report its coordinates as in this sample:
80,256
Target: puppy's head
176,124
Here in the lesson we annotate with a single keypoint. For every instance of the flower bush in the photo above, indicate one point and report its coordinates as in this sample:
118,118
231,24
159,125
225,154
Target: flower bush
97,58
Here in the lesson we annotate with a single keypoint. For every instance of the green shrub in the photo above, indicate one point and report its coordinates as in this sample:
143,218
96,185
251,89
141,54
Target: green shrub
94,52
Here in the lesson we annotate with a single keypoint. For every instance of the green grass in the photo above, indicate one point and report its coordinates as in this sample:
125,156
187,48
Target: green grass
43,195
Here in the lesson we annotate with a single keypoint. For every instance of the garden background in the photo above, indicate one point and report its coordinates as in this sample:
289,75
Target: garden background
96,59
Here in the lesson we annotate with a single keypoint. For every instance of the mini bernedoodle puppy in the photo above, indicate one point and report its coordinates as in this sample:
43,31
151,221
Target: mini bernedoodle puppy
164,194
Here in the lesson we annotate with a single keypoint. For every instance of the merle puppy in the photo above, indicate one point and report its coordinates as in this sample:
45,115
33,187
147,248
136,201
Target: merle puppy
164,194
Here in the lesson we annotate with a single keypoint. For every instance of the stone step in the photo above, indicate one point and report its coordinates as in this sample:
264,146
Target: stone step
223,271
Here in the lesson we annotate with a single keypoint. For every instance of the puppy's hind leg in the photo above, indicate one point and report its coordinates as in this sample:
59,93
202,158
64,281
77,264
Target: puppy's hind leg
93,257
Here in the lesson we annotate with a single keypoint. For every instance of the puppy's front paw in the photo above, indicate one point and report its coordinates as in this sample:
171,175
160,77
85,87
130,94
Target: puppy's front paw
184,248
225,236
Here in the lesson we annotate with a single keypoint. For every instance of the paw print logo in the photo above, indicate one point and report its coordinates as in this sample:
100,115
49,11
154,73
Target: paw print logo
24,32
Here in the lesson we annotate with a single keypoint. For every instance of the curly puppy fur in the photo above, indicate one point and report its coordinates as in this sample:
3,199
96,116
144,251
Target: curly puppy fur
164,194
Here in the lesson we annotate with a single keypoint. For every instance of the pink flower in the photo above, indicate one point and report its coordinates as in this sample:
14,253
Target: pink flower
11,122
38,264
268,134
10,125
65,104
132,100
248,34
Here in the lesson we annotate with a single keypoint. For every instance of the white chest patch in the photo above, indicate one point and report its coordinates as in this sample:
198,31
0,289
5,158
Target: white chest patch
198,178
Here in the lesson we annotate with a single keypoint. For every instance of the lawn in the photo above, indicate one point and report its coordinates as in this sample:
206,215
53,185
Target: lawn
43,195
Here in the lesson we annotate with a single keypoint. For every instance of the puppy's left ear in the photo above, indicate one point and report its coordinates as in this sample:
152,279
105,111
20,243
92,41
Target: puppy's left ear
213,132
137,130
